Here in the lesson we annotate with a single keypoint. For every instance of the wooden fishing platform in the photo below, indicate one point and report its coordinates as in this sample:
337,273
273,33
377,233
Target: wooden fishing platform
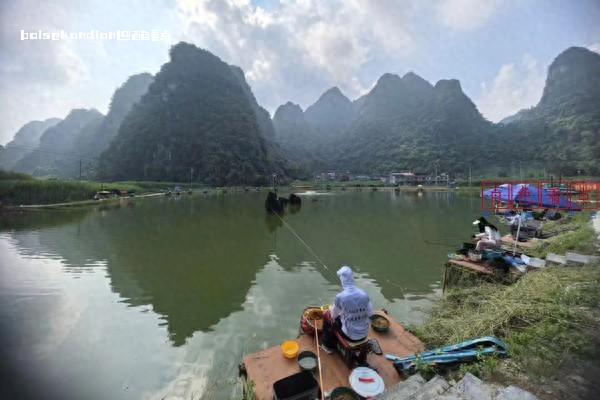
268,366
471,266
527,245
476,268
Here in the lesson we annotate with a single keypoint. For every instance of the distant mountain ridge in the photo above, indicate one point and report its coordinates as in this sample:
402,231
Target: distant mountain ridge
73,148
402,123
51,155
26,140
405,123
202,115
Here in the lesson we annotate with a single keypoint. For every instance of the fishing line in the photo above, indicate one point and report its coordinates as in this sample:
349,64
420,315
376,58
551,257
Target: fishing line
312,252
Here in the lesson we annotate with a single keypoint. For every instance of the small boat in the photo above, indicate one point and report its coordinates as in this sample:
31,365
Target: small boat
103,194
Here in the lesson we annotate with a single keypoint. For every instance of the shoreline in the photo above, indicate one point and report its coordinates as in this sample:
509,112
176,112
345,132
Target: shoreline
236,189
549,318
76,203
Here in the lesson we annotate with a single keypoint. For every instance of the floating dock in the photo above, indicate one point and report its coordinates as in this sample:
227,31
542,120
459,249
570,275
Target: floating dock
268,366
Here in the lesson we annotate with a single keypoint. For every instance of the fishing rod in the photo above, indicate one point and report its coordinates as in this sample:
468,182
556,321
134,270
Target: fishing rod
440,243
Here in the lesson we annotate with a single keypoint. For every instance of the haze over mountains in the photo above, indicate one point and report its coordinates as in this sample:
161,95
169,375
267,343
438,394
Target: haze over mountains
198,115
26,140
82,136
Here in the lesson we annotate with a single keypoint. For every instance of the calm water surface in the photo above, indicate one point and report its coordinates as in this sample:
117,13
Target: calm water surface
160,298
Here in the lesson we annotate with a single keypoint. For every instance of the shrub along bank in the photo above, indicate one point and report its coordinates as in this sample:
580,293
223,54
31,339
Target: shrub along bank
23,189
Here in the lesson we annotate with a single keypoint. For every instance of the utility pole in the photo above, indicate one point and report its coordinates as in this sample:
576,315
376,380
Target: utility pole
470,176
275,183
191,175
80,169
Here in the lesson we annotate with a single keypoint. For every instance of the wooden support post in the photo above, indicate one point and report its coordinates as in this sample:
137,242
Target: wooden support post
445,278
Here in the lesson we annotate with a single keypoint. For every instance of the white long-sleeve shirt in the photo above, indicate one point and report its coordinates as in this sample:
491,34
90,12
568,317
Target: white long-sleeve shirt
489,234
353,306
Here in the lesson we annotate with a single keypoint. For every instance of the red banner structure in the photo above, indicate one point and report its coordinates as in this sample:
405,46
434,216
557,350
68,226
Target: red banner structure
540,194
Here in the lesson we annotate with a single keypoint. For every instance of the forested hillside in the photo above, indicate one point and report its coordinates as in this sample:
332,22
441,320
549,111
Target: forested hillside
196,115
563,130
405,123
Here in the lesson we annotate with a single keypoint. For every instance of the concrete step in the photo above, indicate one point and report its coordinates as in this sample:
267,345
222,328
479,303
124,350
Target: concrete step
468,388
514,393
579,258
473,388
404,389
432,389
556,259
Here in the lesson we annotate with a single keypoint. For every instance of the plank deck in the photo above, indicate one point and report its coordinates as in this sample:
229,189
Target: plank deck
473,266
268,366
508,240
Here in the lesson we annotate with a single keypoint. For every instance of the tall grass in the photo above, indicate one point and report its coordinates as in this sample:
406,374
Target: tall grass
544,318
10,175
37,191
577,235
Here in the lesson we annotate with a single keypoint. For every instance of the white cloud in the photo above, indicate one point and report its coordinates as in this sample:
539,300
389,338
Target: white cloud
462,15
515,87
594,47
44,78
300,48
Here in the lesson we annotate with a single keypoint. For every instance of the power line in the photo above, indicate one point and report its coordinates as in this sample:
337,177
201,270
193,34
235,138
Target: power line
54,152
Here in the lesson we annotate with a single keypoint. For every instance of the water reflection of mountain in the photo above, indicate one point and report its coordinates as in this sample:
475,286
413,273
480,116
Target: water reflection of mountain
192,260
30,220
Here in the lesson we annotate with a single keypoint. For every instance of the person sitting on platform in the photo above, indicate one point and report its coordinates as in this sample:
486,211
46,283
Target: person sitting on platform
349,315
489,238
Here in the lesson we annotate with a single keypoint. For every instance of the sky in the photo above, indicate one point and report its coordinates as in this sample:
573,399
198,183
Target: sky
290,50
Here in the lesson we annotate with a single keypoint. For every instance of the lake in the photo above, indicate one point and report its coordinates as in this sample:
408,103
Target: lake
161,297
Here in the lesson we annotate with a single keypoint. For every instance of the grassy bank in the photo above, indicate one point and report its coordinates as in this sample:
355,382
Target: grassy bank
37,191
550,320
22,189
576,234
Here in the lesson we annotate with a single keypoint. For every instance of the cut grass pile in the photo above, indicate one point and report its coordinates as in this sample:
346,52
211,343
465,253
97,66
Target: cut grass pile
543,317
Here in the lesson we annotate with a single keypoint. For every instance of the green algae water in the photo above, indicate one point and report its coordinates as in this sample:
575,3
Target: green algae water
160,298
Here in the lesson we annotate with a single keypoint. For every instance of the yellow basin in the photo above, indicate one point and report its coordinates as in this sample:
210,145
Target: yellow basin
290,349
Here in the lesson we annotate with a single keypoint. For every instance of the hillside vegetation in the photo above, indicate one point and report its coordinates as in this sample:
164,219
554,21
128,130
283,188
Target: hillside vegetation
196,115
